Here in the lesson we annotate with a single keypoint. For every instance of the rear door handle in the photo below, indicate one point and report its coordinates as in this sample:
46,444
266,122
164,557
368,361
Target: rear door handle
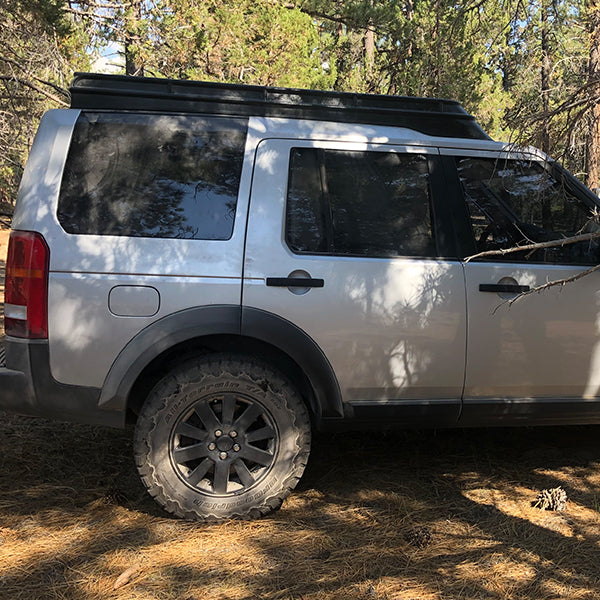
503,288
301,282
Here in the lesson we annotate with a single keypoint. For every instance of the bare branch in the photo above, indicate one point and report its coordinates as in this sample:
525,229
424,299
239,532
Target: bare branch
537,246
549,284
44,82
35,87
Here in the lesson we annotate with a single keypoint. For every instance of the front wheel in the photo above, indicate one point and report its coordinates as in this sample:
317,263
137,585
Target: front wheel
222,437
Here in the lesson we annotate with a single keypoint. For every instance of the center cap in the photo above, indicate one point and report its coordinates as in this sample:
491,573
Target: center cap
224,443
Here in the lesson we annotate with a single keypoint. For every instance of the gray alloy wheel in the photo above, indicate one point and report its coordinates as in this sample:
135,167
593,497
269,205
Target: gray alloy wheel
222,437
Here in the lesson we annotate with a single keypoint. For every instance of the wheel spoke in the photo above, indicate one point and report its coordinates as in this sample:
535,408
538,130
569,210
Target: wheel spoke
183,455
190,431
207,416
256,455
257,435
248,417
221,477
244,473
228,409
197,475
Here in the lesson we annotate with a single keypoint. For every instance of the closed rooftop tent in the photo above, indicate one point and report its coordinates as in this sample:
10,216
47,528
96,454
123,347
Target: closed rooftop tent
430,116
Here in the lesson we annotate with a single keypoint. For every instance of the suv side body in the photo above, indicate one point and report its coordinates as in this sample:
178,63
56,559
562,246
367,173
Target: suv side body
315,266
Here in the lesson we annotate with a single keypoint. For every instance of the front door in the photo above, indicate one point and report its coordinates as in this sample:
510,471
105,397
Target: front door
358,220
534,358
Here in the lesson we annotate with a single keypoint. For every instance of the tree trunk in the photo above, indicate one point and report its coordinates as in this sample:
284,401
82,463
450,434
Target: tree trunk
369,41
132,39
369,49
592,179
545,77
545,68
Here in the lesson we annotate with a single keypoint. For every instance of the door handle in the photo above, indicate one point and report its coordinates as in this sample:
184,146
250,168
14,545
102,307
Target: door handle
503,288
301,282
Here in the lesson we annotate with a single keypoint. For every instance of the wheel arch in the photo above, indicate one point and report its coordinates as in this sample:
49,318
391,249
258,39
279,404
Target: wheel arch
245,331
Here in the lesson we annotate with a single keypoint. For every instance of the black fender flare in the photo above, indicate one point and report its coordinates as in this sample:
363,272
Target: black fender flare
203,321
298,345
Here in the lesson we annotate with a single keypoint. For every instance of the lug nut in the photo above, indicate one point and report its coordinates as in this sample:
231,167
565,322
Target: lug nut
223,455
236,447
233,434
211,446
218,433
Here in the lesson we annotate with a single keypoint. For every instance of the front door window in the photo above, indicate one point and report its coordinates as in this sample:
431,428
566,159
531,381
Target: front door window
518,202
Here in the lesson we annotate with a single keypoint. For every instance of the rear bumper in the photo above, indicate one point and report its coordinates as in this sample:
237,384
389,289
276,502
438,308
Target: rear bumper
14,390
27,387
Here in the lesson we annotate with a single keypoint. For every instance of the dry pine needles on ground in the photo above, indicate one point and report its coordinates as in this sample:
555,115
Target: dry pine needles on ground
442,516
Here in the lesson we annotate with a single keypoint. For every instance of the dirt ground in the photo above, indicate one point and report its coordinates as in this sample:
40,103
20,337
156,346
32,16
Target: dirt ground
401,516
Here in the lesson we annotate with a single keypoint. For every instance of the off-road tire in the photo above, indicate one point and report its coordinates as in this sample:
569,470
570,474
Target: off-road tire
194,427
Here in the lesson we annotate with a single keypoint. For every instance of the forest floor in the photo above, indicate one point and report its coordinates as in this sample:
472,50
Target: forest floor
408,515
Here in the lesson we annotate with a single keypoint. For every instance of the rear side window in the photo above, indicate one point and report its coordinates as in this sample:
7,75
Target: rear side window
518,202
357,203
161,176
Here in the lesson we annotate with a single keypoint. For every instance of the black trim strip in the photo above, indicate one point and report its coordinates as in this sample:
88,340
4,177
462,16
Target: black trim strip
485,412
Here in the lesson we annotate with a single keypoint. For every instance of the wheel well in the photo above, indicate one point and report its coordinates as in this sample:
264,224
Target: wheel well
235,344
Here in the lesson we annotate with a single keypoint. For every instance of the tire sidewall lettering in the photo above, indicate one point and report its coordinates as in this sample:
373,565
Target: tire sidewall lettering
240,499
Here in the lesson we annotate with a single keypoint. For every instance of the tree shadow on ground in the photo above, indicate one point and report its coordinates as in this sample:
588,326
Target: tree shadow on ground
73,516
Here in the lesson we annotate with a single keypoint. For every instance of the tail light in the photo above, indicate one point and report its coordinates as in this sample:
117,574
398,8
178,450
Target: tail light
26,287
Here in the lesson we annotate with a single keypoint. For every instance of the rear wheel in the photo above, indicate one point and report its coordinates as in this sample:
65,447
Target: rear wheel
222,437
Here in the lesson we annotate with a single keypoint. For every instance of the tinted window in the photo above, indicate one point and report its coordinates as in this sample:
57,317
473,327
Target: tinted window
152,176
516,202
359,203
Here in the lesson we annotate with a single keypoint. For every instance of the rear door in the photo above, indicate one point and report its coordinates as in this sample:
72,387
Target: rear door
536,358
360,221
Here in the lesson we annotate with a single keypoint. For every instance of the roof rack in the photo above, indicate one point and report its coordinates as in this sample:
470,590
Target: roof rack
446,118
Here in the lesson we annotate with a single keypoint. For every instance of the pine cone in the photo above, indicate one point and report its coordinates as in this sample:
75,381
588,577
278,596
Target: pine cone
419,537
551,499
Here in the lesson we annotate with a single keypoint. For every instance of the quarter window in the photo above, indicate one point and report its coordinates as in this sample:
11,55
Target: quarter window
359,203
164,176
517,202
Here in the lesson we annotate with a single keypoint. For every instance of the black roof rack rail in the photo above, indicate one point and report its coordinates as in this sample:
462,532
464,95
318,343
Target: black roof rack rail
432,116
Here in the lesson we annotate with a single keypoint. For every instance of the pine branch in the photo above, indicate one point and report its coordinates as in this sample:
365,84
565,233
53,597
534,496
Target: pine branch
10,61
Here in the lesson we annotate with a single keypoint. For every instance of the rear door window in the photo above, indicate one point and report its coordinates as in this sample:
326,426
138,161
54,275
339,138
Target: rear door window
161,176
359,203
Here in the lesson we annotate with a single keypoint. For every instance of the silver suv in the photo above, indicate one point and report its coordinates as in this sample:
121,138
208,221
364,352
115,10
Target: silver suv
231,267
